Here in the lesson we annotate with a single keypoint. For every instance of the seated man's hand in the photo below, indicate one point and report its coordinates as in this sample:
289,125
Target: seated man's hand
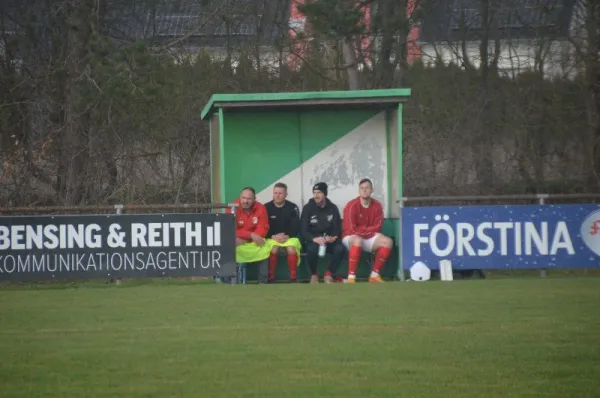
259,240
284,237
240,241
330,239
279,237
319,241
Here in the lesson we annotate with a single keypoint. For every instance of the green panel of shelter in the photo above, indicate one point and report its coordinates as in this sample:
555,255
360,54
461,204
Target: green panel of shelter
260,147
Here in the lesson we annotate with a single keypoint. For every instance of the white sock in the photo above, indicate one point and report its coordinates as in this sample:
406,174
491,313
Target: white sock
374,274
351,276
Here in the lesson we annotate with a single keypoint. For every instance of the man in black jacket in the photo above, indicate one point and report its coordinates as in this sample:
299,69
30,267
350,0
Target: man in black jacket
284,225
321,225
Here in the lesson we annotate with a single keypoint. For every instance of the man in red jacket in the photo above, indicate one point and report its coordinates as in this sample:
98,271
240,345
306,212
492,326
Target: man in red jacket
251,219
363,219
252,225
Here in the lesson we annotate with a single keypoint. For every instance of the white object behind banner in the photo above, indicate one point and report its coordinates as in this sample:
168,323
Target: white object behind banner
446,270
420,272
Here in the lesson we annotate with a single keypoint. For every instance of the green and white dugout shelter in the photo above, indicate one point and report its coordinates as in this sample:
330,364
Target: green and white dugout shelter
301,138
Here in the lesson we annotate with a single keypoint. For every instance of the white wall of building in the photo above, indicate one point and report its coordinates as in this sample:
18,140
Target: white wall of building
516,56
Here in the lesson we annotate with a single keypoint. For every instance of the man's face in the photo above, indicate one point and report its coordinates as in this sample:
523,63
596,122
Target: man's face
319,197
279,195
365,190
246,199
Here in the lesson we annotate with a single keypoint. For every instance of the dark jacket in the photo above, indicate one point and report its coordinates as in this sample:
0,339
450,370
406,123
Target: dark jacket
318,221
285,219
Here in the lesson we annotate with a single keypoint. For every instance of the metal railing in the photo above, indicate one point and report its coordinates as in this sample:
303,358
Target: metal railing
540,198
119,209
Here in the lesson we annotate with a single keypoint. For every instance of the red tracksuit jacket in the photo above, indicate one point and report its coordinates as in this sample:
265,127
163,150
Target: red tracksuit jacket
256,220
361,221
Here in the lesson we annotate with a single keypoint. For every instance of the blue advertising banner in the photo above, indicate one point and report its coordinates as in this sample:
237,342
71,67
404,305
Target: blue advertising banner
492,237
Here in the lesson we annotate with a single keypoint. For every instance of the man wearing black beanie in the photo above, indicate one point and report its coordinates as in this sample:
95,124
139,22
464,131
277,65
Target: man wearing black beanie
321,225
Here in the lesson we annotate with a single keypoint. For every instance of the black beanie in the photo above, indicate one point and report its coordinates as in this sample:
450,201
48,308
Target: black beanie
320,186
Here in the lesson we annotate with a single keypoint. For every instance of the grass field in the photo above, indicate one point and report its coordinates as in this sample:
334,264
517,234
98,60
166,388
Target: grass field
473,338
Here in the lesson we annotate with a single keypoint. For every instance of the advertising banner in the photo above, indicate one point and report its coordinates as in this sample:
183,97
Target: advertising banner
116,246
497,237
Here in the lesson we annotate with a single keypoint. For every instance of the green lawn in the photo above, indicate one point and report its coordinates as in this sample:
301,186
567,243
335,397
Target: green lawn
471,338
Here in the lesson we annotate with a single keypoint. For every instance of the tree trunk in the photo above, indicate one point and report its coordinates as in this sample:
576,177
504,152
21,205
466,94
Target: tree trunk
384,74
593,80
484,141
350,63
393,31
72,139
